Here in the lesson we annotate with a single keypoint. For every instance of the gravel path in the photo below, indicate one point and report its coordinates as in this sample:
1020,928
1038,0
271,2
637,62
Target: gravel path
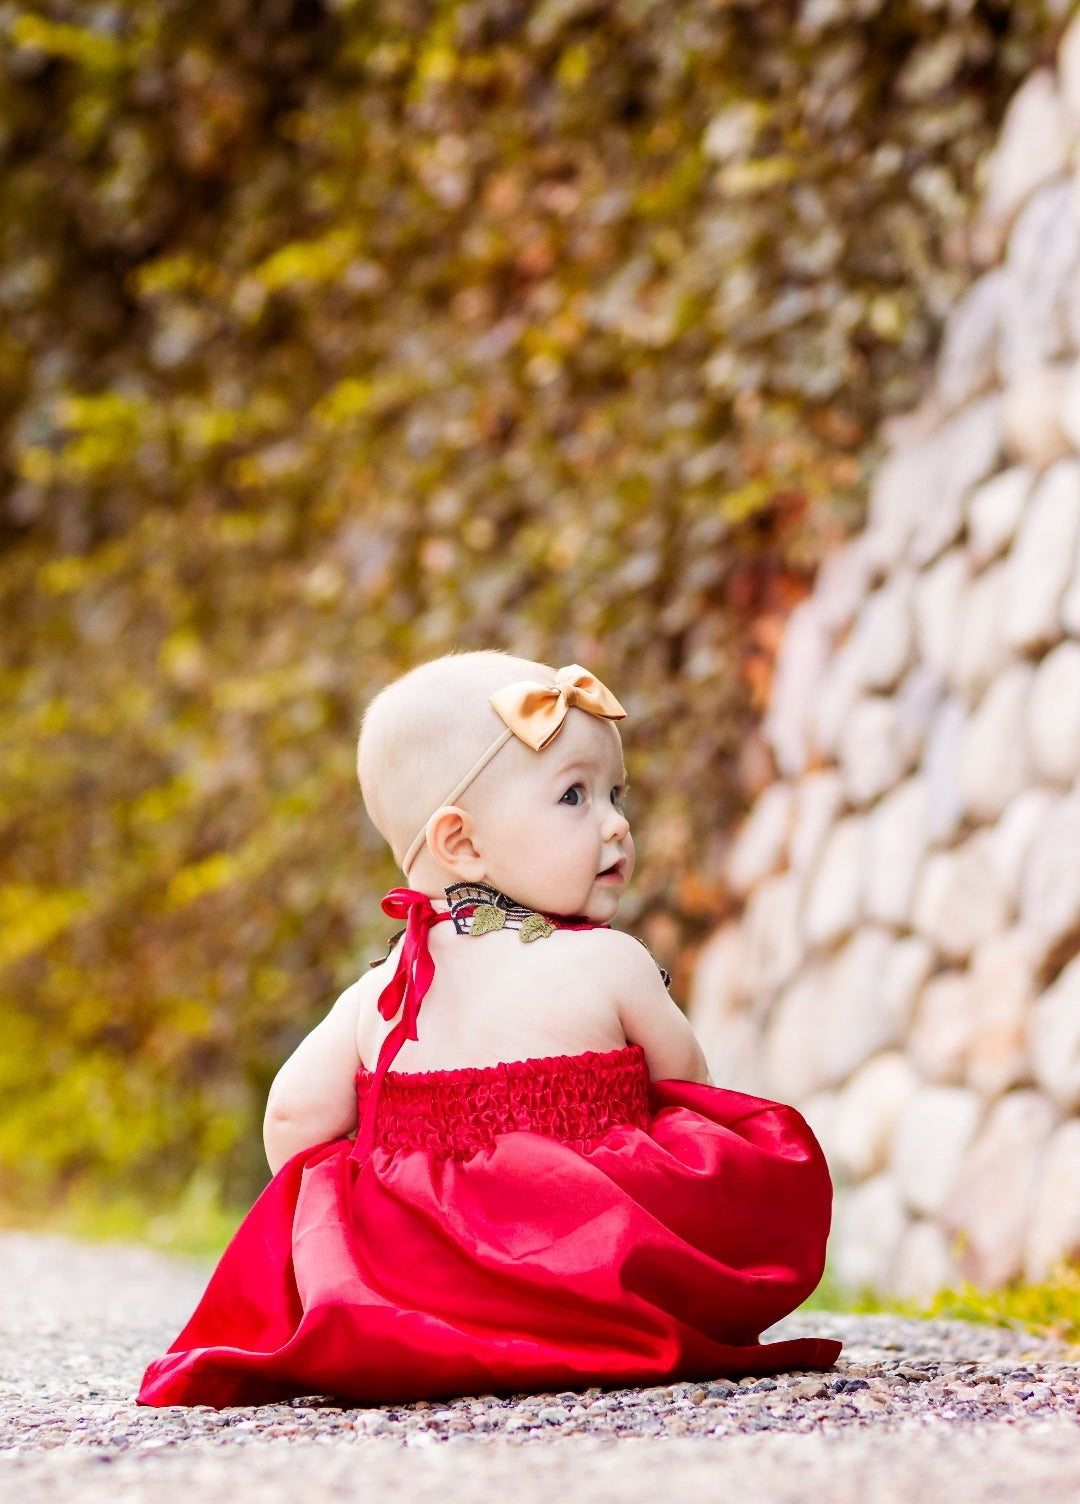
964,1412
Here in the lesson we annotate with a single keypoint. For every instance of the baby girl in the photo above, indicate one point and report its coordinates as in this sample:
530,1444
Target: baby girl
535,1186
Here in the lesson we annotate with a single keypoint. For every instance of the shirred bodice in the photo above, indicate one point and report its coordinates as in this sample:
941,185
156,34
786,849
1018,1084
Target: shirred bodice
455,1113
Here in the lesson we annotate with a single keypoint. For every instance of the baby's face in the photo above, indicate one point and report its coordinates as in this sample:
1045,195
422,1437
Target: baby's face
550,828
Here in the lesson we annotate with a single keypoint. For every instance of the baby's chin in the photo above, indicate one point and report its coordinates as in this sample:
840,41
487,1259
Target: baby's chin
598,905
602,906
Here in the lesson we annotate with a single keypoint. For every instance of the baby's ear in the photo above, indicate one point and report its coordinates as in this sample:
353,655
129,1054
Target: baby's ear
450,841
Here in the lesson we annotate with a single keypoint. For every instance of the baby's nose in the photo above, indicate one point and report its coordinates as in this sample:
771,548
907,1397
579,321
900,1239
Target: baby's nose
617,825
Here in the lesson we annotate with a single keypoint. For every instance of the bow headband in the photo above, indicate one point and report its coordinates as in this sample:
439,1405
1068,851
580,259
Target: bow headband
535,714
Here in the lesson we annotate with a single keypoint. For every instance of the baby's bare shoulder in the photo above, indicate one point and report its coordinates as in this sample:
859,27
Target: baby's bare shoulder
620,952
363,994
368,985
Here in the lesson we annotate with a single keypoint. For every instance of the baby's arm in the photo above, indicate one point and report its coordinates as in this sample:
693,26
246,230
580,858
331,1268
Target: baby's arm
650,1018
313,1097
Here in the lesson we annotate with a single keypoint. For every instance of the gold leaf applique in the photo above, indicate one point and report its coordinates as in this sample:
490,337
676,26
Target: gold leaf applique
487,917
535,927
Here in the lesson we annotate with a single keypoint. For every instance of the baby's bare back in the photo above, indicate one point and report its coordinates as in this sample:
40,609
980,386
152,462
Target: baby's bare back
495,998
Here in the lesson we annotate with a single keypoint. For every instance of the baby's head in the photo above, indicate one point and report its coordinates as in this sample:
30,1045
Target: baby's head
459,796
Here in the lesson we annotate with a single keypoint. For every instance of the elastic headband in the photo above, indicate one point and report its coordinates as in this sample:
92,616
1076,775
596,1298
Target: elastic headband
535,714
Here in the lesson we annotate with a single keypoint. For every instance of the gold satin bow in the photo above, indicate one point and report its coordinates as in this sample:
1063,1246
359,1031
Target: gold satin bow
535,712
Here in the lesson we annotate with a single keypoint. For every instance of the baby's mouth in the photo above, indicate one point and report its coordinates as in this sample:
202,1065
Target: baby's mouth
615,870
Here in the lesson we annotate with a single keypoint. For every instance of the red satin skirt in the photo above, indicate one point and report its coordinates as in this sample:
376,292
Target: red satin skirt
541,1225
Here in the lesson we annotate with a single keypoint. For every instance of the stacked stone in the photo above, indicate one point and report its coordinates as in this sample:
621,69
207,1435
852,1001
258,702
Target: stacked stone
907,966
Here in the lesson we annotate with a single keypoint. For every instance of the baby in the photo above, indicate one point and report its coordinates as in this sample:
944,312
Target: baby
499,1163
545,828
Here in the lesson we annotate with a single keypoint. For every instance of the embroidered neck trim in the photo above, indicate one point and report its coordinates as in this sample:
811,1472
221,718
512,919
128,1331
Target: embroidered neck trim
479,909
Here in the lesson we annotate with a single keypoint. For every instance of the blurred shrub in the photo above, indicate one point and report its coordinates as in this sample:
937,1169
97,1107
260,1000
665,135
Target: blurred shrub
338,334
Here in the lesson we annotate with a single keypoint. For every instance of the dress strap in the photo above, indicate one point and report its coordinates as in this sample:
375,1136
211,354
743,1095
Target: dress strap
404,992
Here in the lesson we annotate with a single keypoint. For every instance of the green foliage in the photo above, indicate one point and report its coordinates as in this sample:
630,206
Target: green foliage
336,335
195,1224
828,1296
1052,1308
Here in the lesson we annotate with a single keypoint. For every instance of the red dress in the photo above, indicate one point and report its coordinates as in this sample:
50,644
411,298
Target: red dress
539,1225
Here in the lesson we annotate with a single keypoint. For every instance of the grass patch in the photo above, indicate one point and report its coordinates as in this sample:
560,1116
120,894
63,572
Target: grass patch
197,1225
1049,1309
1052,1308
829,1296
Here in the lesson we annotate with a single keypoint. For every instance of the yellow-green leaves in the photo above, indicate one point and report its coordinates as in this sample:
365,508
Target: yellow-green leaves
487,917
89,48
332,341
31,917
305,263
535,927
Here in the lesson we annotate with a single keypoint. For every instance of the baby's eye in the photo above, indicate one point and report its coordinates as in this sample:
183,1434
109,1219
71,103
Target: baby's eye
618,795
575,794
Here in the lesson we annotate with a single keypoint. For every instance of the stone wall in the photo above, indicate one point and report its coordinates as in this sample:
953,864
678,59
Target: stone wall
907,966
